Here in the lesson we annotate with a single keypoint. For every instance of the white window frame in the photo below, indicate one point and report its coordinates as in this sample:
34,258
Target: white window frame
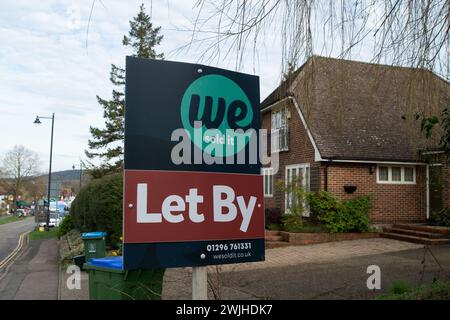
402,175
267,172
304,166
275,136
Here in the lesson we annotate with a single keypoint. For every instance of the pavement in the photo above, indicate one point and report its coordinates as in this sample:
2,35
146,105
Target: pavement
67,292
34,275
9,235
34,272
335,270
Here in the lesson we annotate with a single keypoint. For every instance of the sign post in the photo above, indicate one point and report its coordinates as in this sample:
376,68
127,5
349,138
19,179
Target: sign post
193,193
199,283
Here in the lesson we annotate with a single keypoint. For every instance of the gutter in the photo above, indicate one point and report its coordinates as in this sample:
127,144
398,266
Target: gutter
378,161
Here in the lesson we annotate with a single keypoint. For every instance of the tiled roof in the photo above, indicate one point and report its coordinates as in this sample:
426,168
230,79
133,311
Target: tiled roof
363,111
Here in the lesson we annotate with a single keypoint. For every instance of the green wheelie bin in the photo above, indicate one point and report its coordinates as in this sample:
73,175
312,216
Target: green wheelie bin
108,281
94,245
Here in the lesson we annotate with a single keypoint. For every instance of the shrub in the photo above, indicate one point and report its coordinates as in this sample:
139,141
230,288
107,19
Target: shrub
273,216
273,227
65,226
341,216
292,222
98,207
356,213
322,203
297,193
441,218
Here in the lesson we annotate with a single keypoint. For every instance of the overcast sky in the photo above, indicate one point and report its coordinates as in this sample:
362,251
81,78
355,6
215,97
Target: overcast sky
49,64
45,67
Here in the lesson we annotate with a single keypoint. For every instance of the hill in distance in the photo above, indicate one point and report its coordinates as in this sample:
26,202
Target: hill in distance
65,175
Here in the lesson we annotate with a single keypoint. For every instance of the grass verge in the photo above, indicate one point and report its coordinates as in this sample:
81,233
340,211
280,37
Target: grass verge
9,219
437,290
38,235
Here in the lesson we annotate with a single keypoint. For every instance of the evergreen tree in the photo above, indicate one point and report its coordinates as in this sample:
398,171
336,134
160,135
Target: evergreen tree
107,143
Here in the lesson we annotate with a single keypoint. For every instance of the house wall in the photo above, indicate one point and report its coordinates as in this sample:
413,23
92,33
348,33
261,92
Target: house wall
300,151
390,202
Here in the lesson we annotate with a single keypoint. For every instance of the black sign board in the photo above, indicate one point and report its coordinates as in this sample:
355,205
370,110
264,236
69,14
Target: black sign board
193,191
163,95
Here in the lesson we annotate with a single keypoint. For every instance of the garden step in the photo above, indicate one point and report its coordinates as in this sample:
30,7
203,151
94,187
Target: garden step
270,233
274,238
424,228
276,244
420,240
415,233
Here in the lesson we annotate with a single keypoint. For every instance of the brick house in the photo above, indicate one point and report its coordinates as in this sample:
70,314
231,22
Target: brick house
349,128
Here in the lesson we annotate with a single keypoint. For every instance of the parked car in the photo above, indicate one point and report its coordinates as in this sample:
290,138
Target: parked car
54,221
20,212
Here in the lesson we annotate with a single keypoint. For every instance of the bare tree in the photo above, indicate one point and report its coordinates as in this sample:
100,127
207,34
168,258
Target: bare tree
19,164
410,33
36,188
413,33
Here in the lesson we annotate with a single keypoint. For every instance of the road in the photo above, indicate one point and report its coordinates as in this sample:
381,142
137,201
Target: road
32,274
9,235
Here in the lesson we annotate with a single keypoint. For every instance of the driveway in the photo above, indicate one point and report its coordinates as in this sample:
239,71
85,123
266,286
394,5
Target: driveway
336,270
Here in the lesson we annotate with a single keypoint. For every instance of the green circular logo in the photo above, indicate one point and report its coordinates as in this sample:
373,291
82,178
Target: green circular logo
224,112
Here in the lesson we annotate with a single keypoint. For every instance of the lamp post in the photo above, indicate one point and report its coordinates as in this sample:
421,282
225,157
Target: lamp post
81,172
38,121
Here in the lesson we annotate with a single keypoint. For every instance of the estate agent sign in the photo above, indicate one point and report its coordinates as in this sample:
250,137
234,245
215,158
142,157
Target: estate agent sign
193,193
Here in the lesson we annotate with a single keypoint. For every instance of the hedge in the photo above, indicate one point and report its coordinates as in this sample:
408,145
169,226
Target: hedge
98,207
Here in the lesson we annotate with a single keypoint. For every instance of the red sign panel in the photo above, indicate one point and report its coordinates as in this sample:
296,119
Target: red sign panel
174,206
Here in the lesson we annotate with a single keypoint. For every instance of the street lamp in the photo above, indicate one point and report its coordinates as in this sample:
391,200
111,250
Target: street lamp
38,121
81,172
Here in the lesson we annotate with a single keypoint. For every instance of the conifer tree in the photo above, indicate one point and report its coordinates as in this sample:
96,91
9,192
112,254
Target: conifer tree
106,143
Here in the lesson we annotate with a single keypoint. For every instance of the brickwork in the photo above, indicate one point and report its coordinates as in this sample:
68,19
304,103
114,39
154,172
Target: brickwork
300,151
390,202
304,238
445,182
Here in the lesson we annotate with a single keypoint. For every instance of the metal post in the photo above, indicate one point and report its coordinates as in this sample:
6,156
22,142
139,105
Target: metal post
428,190
81,172
199,283
50,175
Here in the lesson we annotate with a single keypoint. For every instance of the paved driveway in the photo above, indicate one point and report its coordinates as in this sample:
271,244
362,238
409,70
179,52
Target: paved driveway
336,270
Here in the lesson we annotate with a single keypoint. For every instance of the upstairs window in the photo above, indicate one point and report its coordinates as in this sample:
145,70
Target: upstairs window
396,175
279,132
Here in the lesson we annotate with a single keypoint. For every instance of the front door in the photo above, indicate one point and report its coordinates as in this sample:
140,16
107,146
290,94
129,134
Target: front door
297,174
435,189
